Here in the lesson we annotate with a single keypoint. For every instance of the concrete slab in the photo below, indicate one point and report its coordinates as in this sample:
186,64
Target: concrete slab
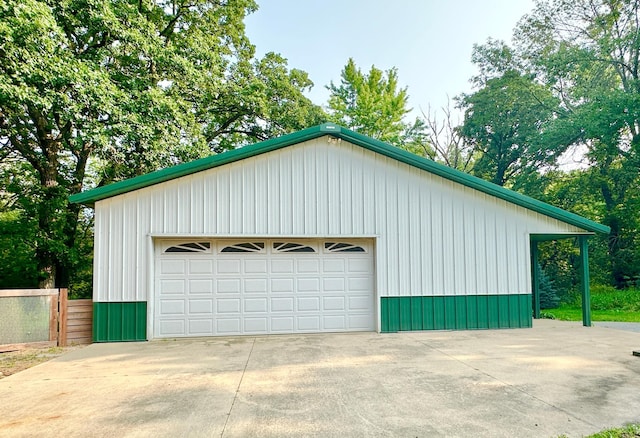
557,378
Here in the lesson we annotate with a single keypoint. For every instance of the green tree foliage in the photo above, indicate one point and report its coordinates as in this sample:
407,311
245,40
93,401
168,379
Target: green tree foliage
586,51
372,104
104,90
504,120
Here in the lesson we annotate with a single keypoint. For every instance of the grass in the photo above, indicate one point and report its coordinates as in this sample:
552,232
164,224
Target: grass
607,304
629,431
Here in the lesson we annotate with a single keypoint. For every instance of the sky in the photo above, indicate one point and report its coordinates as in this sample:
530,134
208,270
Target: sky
429,41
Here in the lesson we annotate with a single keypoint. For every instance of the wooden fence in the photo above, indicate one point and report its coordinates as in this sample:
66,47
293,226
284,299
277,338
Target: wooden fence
70,321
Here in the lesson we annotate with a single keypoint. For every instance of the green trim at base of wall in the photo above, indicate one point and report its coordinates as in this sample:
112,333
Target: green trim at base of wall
469,312
121,321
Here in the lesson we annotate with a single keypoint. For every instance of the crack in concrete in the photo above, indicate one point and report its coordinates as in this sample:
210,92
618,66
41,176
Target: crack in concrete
235,397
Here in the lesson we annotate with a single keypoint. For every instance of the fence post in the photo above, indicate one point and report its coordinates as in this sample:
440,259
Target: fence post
54,318
62,318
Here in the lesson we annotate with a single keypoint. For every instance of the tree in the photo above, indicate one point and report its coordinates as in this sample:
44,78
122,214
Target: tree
372,104
503,121
102,91
587,51
444,141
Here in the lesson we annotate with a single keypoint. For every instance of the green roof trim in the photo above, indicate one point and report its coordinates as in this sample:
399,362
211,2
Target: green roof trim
91,196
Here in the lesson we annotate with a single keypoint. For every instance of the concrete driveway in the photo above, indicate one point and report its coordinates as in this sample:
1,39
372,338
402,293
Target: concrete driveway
557,378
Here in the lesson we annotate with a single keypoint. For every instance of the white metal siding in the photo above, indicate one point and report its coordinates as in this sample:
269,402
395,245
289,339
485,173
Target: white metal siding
434,236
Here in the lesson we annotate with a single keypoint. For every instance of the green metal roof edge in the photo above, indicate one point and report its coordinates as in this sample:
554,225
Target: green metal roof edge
91,196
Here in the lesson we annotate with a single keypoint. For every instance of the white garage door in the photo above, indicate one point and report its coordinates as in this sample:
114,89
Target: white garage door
257,286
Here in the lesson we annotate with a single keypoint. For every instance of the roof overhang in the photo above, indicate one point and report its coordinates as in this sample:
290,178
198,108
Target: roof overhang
91,196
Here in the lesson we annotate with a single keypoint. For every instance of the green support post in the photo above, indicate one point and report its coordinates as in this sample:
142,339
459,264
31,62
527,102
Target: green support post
586,294
535,280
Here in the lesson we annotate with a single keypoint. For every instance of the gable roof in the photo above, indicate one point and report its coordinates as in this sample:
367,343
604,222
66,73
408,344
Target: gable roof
91,196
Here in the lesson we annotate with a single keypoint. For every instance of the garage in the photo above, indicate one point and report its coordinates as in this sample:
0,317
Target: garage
321,230
209,287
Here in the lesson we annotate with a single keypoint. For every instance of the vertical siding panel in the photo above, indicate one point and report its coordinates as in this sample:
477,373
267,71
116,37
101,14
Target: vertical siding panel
297,191
459,272
403,250
211,203
470,286
381,225
502,265
273,193
415,236
169,209
236,198
248,206
480,242
322,185
310,191
512,256
261,189
448,241
101,255
392,231
417,317
130,246
439,313
369,190
427,313
143,264
346,205
197,205
223,206
357,192
333,190
116,268
491,245
493,307
184,206
426,242
437,267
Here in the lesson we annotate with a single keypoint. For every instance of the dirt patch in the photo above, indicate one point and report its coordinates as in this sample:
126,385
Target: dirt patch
16,358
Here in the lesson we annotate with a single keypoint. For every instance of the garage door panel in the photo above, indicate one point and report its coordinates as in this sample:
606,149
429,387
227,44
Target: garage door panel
282,304
282,266
228,286
359,322
255,266
225,266
255,305
333,284
200,267
256,325
228,305
172,287
172,307
309,323
256,285
335,265
200,287
308,266
359,265
282,324
228,326
268,290
308,285
172,328
172,266
200,327
200,307
308,304
334,322
282,285
360,284
333,303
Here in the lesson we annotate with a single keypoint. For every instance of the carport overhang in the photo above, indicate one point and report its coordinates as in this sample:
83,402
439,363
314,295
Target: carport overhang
583,242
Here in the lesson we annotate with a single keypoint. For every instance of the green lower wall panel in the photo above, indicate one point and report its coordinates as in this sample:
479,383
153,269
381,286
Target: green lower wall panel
122,321
455,312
